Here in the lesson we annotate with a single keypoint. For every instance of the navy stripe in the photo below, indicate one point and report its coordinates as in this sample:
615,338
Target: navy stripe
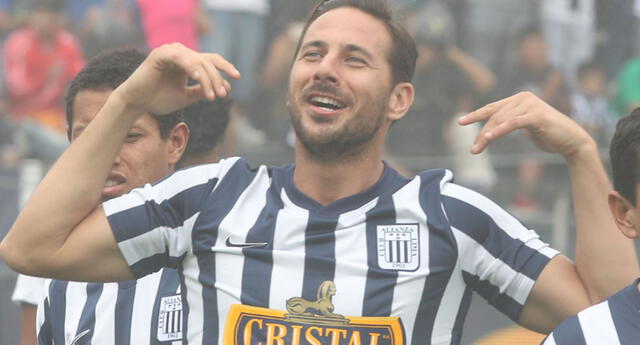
482,229
320,254
258,262
492,294
623,307
569,332
168,286
204,235
443,254
88,315
58,309
44,334
185,306
123,312
170,213
380,283
462,315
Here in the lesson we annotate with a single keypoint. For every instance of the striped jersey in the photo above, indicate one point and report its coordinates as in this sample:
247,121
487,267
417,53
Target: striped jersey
262,262
147,311
615,321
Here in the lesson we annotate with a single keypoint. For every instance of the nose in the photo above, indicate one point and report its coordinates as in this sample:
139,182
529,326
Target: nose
327,71
117,160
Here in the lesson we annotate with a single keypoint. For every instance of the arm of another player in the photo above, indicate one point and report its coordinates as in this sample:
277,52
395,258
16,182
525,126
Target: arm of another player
564,288
62,232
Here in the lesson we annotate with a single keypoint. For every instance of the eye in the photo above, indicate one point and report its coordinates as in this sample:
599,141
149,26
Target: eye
311,55
355,61
132,137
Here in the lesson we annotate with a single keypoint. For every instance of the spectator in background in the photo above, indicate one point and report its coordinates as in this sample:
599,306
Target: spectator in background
627,87
569,30
533,72
40,60
168,21
447,82
589,103
238,33
104,24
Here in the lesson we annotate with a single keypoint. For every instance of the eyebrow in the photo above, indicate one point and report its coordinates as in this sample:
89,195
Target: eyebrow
350,47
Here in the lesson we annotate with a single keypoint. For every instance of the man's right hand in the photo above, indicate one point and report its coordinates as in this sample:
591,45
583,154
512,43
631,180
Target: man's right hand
159,85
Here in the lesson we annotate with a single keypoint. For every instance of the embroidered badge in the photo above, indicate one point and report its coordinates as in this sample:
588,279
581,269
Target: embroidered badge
399,247
170,318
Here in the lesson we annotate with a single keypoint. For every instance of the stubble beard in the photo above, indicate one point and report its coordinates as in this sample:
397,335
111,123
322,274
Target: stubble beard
344,144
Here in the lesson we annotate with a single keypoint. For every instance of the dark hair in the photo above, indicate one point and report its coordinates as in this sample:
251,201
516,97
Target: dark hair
207,122
107,71
624,153
586,67
403,54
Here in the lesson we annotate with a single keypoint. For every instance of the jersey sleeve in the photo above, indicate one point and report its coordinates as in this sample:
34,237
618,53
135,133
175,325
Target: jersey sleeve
152,225
28,290
499,257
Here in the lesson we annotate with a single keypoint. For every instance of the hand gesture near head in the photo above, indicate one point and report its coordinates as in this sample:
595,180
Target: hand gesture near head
548,129
160,84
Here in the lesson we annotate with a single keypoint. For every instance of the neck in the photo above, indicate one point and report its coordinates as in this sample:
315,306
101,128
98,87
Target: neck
326,182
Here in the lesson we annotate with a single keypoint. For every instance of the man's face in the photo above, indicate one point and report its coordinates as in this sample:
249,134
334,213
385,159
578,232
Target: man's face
143,158
340,83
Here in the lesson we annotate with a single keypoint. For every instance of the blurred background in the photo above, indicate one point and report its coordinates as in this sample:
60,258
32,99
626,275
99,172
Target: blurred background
581,56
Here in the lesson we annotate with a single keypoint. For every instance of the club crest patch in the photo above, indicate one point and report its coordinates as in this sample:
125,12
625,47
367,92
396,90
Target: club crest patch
170,318
399,247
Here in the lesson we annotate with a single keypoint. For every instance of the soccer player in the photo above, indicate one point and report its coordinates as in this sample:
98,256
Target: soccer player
338,247
615,320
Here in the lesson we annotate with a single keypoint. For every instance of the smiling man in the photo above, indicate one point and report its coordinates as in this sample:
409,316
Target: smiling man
338,248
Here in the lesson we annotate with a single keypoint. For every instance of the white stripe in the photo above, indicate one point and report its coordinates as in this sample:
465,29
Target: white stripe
168,188
550,340
76,297
597,325
351,261
144,299
104,327
409,288
156,241
191,272
229,261
286,279
478,261
505,221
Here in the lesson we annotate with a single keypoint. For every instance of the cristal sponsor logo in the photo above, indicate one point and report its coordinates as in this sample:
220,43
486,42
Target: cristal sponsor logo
309,323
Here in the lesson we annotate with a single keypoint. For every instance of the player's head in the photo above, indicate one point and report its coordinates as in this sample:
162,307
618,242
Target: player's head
624,153
350,77
207,123
45,18
591,78
532,48
153,145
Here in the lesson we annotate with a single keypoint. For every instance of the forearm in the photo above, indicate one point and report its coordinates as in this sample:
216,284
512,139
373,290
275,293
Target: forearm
69,192
605,260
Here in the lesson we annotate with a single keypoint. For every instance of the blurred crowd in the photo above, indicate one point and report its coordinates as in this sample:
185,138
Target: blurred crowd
580,56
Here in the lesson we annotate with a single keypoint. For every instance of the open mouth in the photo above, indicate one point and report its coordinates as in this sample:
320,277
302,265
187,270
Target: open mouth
114,181
326,103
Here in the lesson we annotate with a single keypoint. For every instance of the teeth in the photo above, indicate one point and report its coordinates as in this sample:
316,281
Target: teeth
326,101
111,183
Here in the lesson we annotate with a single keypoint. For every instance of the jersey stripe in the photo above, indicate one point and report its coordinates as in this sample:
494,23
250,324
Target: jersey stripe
442,258
44,336
258,262
378,294
124,312
168,286
58,307
320,253
205,235
605,332
88,316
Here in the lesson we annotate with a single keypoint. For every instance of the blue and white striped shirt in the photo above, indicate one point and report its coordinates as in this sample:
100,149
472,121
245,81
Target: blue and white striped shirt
147,311
260,260
615,321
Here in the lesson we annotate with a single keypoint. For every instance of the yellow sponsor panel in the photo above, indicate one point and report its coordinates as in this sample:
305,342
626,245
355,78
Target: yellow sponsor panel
248,325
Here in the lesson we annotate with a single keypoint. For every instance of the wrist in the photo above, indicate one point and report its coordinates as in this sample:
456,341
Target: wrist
584,151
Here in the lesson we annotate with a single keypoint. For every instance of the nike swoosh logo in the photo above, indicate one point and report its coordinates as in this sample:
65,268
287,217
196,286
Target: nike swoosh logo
80,335
245,245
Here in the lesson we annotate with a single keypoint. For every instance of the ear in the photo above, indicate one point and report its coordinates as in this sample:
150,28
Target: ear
624,214
177,142
400,100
